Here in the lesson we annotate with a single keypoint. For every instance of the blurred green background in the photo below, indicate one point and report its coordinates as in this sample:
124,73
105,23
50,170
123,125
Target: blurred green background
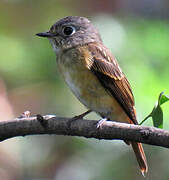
137,32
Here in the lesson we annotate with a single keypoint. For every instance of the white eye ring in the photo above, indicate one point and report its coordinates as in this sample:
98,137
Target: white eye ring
68,30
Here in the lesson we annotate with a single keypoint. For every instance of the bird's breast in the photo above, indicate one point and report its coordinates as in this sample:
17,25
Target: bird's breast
87,88
82,82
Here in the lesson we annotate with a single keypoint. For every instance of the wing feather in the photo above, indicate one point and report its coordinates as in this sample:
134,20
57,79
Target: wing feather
108,72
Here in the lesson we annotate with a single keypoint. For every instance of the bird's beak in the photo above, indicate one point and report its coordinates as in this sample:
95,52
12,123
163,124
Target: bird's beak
46,34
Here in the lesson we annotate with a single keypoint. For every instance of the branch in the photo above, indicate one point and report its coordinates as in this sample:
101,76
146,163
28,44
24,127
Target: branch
51,124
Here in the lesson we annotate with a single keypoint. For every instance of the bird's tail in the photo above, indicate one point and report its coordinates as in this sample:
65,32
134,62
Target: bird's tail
141,158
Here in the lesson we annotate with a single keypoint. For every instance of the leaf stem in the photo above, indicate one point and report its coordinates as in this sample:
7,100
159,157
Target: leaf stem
145,119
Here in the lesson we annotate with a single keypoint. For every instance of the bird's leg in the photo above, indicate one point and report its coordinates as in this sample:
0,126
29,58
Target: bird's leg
101,122
78,117
81,115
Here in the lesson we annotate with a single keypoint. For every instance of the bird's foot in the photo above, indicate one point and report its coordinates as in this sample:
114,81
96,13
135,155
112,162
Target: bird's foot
101,122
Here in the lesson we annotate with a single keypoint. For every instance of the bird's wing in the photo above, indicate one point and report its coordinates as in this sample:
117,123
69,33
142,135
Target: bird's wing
106,68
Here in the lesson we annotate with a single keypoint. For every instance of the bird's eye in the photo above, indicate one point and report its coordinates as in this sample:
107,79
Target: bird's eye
69,30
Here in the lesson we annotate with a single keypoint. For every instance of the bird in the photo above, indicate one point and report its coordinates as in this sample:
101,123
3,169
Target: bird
93,74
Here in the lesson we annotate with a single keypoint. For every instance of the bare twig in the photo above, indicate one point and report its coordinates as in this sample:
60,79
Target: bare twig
51,124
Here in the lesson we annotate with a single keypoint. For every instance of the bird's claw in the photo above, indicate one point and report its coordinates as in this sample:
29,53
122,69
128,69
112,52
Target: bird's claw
101,122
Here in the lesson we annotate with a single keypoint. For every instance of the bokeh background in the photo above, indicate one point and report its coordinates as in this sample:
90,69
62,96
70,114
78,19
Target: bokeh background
137,32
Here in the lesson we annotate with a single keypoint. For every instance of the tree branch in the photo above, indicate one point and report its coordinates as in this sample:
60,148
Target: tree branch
51,124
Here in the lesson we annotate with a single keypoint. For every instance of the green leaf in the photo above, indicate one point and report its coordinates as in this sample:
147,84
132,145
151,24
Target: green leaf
157,112
157,116
163,98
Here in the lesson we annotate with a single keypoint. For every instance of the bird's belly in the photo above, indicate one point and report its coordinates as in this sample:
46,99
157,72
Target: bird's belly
86,87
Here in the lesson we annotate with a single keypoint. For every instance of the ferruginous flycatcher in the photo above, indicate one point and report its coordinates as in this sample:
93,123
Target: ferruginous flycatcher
93,74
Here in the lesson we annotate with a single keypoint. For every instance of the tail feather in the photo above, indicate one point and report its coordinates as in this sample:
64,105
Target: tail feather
141,158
